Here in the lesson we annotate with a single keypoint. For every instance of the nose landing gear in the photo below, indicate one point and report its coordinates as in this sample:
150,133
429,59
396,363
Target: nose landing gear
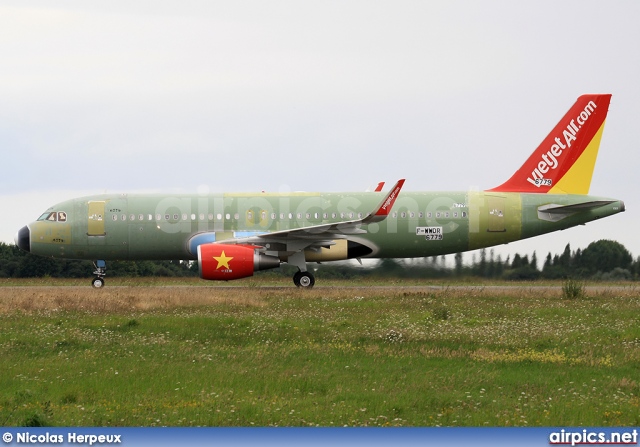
100,272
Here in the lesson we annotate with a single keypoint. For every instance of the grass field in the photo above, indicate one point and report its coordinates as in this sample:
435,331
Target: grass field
146,355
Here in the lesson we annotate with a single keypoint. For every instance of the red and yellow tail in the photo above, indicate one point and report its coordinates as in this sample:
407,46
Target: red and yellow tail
564,161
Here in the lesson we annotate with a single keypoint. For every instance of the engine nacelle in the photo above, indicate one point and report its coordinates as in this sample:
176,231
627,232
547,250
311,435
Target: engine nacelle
226,262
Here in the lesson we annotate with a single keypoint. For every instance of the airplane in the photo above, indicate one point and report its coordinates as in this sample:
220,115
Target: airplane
231,236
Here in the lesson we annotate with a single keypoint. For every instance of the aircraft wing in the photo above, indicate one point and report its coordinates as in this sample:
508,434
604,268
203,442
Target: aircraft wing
324,233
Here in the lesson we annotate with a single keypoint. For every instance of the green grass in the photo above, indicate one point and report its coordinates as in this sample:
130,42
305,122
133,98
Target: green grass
200,356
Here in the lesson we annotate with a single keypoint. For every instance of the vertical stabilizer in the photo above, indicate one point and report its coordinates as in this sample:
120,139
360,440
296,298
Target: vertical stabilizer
564,161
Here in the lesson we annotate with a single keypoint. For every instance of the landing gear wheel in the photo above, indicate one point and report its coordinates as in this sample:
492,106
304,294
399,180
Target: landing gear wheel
304,280
101,270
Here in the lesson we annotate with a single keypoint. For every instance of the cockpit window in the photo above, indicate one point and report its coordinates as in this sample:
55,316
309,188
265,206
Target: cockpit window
54,216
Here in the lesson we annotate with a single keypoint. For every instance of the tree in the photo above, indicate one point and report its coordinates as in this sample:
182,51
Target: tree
482,268
390,267
10,258
33,266
499,268
491,266
458,261
517,261
547,262
565,259
604,256
534,261
552,268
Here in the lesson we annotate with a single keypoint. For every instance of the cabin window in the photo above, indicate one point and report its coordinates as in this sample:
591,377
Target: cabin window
193,217
464,214
236,216
210,216
228,216
437,214
403,214
249,216
264,215
176,217
334,215
455,214
167,217
114,217
394,214
201,216
420,214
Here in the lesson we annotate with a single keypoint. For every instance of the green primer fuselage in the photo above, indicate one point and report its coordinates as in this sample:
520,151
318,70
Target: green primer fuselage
137,226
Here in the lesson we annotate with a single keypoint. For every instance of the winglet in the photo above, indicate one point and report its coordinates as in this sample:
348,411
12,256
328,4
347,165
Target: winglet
379,187
564,161
384,208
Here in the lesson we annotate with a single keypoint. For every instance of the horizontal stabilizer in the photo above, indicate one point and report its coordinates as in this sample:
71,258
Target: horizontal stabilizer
554,212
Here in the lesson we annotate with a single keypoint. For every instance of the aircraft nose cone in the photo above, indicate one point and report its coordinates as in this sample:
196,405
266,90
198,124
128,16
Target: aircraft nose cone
23,239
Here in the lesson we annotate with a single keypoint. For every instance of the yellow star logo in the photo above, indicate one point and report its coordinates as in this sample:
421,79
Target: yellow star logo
223,260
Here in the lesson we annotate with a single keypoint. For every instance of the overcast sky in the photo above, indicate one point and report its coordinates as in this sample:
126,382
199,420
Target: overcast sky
173,96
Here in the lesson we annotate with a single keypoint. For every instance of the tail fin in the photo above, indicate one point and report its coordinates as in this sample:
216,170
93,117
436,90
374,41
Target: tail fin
564,161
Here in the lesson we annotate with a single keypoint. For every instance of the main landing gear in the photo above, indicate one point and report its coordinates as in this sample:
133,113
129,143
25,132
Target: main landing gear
100,272
304,280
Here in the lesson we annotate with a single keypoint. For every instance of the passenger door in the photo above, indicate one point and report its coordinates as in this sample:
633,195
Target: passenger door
496,214
96,219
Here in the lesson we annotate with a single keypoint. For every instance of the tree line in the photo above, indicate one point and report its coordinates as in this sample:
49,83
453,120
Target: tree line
15,263
601,260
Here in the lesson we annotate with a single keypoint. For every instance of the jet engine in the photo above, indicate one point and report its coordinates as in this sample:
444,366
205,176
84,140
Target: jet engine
225,261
